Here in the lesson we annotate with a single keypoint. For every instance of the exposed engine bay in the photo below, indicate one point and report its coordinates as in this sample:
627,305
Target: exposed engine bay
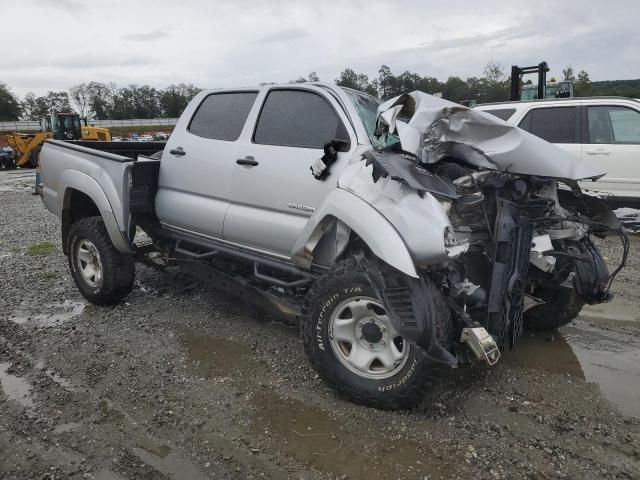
519,246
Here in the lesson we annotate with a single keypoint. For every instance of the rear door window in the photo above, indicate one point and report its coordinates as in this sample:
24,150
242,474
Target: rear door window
502,113
612,124
221,116
298,118
555,124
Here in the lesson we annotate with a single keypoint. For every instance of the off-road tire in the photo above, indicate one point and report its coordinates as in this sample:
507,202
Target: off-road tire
118,270
405,389
561,306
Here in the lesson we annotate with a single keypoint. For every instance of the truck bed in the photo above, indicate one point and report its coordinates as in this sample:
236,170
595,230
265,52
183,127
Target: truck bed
120,177
126,149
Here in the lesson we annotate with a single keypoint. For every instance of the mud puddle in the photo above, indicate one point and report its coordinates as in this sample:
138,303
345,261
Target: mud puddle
312,437
610,361
58,313
170,464
151,451
215,357
15,388
615,310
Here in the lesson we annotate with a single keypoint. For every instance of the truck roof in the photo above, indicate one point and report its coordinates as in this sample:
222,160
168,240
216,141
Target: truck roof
551,100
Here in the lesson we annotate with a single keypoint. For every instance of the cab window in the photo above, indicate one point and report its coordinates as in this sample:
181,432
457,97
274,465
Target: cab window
612,124
502,113
298,118
221,116
555,124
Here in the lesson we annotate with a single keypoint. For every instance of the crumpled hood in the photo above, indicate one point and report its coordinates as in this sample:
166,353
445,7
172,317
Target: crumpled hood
438,128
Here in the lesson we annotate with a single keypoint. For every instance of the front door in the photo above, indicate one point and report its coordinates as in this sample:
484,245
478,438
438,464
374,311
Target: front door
614,143
273,190
197,163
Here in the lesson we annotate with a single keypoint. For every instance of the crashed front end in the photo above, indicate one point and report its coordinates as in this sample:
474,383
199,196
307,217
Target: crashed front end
506,224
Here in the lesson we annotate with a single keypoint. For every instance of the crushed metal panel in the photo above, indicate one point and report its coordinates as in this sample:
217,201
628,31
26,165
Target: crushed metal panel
406,169
432,128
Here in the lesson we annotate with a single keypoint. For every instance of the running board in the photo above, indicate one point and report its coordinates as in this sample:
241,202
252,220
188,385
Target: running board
242,288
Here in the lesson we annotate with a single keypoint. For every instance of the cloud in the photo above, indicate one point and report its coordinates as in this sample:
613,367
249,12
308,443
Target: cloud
499,36
244,42
68,5
283,36
146,36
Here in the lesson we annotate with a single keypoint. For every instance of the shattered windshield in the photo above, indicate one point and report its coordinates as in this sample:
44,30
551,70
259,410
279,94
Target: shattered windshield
367,108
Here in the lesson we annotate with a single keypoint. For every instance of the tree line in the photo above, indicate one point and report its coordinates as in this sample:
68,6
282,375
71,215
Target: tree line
102,101
99,101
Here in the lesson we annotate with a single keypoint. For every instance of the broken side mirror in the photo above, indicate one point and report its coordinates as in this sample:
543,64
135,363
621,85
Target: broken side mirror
320,168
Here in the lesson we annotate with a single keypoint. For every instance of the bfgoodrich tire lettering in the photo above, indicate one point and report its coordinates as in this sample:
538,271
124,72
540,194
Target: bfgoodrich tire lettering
117,271
403,388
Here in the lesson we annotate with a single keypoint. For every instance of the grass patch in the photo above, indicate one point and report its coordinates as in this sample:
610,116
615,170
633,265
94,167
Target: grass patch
39,249
15,250
51,274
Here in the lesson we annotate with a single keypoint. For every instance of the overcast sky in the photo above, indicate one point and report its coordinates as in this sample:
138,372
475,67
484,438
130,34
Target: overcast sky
221,43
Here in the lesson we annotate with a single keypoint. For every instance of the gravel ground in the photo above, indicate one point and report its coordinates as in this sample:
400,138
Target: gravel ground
181,381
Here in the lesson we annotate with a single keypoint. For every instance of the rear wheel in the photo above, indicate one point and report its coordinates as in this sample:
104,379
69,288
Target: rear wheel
352,343
103,275
561,306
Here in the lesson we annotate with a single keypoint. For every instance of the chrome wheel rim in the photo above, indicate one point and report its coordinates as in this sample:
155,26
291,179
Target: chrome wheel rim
89,263
363,339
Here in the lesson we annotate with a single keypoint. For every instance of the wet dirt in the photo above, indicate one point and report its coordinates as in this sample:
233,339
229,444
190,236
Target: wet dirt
313,437
610,360
15,388
57,313
214,357
17,180
618,309
181,381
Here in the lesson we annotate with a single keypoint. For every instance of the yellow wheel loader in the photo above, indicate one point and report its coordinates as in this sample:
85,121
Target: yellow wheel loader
59,126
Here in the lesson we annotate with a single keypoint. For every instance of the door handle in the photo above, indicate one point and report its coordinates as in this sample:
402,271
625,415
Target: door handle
248,161
177,151
598,152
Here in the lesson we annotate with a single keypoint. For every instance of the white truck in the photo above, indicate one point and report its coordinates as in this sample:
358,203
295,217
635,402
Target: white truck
603,130
399,235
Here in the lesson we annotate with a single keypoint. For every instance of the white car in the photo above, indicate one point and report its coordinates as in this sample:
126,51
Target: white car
146,138
605,130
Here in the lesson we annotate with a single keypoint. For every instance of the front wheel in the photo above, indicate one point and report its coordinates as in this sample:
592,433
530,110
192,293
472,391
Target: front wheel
561,306
352,343
103,275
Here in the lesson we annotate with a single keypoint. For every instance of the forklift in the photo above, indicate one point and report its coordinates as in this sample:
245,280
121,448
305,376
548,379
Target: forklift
544,89
59,126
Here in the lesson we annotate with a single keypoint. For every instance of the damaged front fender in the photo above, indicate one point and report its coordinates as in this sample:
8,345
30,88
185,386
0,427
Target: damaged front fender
373,228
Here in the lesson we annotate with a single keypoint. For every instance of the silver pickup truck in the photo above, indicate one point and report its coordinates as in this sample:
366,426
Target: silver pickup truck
401,236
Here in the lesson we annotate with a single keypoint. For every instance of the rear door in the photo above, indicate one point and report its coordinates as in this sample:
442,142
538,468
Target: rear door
613,139
558,125
197,163
273,192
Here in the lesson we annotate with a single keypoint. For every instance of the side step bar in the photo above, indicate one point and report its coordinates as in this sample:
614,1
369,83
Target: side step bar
241,287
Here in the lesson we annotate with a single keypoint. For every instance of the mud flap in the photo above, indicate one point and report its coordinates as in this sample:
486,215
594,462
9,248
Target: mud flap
412,309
